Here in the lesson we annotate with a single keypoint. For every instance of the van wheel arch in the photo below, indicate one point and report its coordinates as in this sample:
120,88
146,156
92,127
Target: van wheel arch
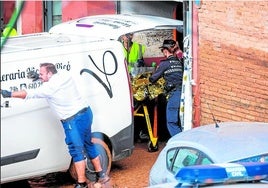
105,157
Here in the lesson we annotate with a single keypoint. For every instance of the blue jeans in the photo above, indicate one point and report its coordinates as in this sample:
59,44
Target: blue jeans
172,112
78,136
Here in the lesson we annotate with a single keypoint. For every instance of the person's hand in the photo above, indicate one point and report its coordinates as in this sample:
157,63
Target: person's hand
140,63
33,75
5,93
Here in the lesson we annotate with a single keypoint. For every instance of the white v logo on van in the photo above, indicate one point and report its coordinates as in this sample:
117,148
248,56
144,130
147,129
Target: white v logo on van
107,86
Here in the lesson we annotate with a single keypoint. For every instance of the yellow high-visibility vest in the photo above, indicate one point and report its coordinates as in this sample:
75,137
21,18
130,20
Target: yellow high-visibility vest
134,54
12,31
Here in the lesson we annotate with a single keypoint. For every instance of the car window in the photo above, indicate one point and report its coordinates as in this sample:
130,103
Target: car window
206,161
181,157
171,155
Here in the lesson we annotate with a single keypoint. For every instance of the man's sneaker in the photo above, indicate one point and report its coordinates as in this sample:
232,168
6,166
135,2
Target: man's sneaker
103,178
81,185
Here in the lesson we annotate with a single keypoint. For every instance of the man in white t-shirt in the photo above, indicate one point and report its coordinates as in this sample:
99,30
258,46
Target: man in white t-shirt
60,91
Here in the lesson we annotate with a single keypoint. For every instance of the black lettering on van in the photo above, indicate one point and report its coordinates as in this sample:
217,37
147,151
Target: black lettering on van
63,66
107,86
17,75
12,76
23,86
13,88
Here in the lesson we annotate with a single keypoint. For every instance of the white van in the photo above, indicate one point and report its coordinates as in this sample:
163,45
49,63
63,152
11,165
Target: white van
32,138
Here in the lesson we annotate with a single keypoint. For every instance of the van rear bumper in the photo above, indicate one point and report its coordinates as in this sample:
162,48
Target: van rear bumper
123,143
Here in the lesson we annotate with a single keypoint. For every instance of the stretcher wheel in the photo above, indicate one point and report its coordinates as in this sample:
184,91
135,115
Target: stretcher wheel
152,148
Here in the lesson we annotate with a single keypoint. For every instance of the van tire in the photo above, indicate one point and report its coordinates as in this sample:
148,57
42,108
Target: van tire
105,157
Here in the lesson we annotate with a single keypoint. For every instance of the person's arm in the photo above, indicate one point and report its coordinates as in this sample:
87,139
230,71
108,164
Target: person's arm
19,94
15,94
155,76
159,72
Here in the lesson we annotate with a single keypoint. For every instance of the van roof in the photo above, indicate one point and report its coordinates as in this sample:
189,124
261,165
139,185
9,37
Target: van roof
36,41
115,25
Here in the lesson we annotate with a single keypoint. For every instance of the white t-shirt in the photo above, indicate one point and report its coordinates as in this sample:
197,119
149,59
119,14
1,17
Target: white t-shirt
61,94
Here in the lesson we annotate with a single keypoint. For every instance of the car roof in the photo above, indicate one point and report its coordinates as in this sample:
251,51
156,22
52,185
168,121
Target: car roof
112,26
229,142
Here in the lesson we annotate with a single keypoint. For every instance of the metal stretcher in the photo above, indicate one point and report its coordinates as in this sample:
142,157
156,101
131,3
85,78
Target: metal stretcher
143,91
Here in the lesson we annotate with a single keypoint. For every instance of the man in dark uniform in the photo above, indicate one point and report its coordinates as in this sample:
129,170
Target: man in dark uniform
171,69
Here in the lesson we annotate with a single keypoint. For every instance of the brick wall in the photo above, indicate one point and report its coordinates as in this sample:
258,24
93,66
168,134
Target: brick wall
233,60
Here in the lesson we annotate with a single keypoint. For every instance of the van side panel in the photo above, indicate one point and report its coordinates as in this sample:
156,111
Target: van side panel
28,126
99,70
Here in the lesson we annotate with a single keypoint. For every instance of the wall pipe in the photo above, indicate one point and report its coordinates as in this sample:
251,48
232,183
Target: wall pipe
186,116
196,78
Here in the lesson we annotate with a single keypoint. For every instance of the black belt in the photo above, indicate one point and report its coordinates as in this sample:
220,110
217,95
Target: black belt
70,118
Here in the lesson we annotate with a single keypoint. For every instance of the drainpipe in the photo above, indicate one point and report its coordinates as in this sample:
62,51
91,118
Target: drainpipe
196,79
187,116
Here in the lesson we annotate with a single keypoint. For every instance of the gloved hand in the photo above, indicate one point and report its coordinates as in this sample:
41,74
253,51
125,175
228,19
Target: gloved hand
140,63
33,75
5,93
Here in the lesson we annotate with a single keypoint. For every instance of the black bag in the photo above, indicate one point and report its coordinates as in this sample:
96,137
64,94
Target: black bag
33,75
169,87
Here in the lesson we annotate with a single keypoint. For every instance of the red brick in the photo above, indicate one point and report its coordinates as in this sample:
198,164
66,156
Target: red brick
233,60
